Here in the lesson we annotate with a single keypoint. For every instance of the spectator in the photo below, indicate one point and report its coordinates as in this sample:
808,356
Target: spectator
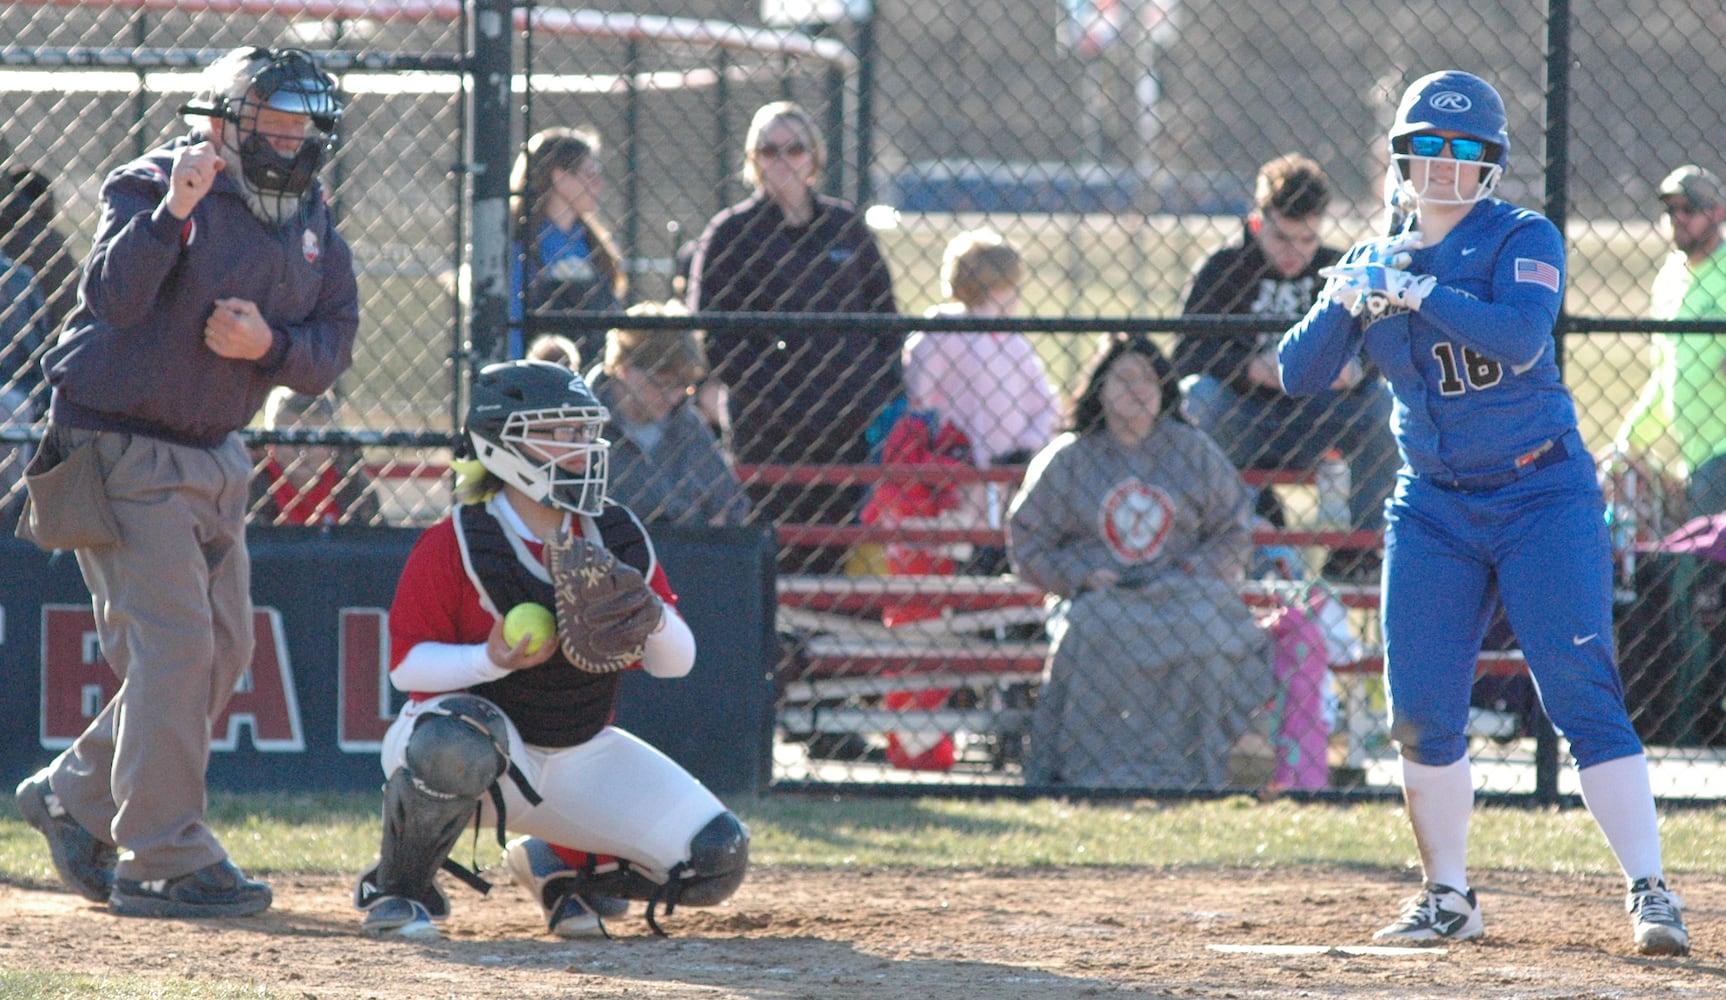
799,395
992,385
1141,526
563,259
1237,395
664,461
555,348
1498,498
216,274
973,399
1686,391
28,236
309,484
23,333
980,399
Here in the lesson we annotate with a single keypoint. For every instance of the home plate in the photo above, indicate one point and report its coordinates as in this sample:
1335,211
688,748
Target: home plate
1351,950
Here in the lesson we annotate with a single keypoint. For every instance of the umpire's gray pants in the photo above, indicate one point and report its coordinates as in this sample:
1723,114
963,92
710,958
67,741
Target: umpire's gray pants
174,616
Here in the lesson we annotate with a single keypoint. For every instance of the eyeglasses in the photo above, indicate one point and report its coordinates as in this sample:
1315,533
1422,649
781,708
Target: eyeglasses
1683,208
583,433
1468,150
772,150
662,380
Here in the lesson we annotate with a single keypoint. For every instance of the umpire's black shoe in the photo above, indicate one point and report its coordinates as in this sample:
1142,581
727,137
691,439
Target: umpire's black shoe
83,862
218,890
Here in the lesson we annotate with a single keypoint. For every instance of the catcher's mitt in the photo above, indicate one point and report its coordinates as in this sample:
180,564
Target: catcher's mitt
605,611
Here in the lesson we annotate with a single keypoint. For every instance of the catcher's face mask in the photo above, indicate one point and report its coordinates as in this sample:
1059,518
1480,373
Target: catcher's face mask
555,456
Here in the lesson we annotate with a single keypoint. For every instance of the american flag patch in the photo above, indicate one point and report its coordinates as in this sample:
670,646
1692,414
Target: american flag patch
1537,272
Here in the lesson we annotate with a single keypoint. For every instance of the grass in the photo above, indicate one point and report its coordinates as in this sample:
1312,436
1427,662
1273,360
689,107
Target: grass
337,835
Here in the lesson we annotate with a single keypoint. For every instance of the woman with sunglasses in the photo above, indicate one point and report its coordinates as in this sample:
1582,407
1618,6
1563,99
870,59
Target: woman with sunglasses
1497,497
800,394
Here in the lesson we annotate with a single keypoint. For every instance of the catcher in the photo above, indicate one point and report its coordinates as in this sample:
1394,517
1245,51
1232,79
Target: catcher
519,736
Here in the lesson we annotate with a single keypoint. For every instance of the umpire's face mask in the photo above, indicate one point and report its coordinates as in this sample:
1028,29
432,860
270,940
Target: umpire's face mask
279,154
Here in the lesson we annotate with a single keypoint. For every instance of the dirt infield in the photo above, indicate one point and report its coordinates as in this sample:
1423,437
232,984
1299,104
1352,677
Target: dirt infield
908,935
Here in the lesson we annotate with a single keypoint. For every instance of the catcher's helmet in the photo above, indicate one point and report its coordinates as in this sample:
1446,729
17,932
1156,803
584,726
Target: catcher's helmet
526,419
1451,101
286,80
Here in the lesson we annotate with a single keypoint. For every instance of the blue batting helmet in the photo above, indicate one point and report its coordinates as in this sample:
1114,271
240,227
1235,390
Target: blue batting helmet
1453,101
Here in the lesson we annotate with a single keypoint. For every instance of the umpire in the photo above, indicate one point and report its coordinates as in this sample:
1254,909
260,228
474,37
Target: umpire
216,275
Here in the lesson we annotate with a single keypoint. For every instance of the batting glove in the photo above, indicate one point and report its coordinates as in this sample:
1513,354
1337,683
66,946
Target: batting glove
1372,288
1397,287
1390,251
1345,285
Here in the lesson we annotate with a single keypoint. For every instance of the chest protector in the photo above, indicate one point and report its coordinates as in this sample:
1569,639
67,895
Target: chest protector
553,704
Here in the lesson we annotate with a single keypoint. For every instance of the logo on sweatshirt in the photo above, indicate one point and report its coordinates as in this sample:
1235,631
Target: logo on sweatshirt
309,247
1136,520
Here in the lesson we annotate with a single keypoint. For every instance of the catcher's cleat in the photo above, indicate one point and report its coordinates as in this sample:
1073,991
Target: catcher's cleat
1655,918
83,862
1437,913
217,890
395,917
573,918
538,869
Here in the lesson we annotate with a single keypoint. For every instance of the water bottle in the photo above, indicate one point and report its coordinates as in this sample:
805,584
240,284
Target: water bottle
1332,480
1621,521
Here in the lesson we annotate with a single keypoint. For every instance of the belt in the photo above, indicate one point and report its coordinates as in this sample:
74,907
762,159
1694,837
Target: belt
1550,453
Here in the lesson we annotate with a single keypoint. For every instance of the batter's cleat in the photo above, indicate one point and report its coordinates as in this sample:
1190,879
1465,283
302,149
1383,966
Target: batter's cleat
396,917
1655,918
217,890
538,869
1437,913
84,863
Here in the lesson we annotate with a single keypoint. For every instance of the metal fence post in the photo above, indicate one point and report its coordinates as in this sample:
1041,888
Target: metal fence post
488,156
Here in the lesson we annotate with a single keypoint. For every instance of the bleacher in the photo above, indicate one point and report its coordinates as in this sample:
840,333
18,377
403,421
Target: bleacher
848,659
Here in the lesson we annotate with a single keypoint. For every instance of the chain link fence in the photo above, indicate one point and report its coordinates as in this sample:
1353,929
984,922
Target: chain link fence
1094,154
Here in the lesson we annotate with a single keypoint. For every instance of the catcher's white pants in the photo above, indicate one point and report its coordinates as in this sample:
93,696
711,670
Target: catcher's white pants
614,794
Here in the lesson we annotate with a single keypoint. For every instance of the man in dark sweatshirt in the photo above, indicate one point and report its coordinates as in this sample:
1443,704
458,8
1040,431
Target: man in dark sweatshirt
216,275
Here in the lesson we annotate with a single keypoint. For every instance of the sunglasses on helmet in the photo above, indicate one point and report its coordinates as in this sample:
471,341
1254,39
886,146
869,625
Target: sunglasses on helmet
1467,150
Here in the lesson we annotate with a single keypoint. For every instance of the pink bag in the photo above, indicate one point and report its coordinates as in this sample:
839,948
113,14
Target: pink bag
1299,732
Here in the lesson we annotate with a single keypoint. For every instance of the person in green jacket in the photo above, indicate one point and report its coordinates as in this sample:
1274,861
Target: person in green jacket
1686,392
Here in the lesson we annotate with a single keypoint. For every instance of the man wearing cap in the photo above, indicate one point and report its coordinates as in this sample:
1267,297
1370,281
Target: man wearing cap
1686,392
216,275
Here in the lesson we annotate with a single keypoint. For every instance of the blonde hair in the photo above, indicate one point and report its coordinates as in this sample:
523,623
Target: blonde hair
681,352
977,262
765,118
555,348
474,483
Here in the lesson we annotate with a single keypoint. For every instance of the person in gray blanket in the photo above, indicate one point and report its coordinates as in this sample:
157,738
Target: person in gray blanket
1141,527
